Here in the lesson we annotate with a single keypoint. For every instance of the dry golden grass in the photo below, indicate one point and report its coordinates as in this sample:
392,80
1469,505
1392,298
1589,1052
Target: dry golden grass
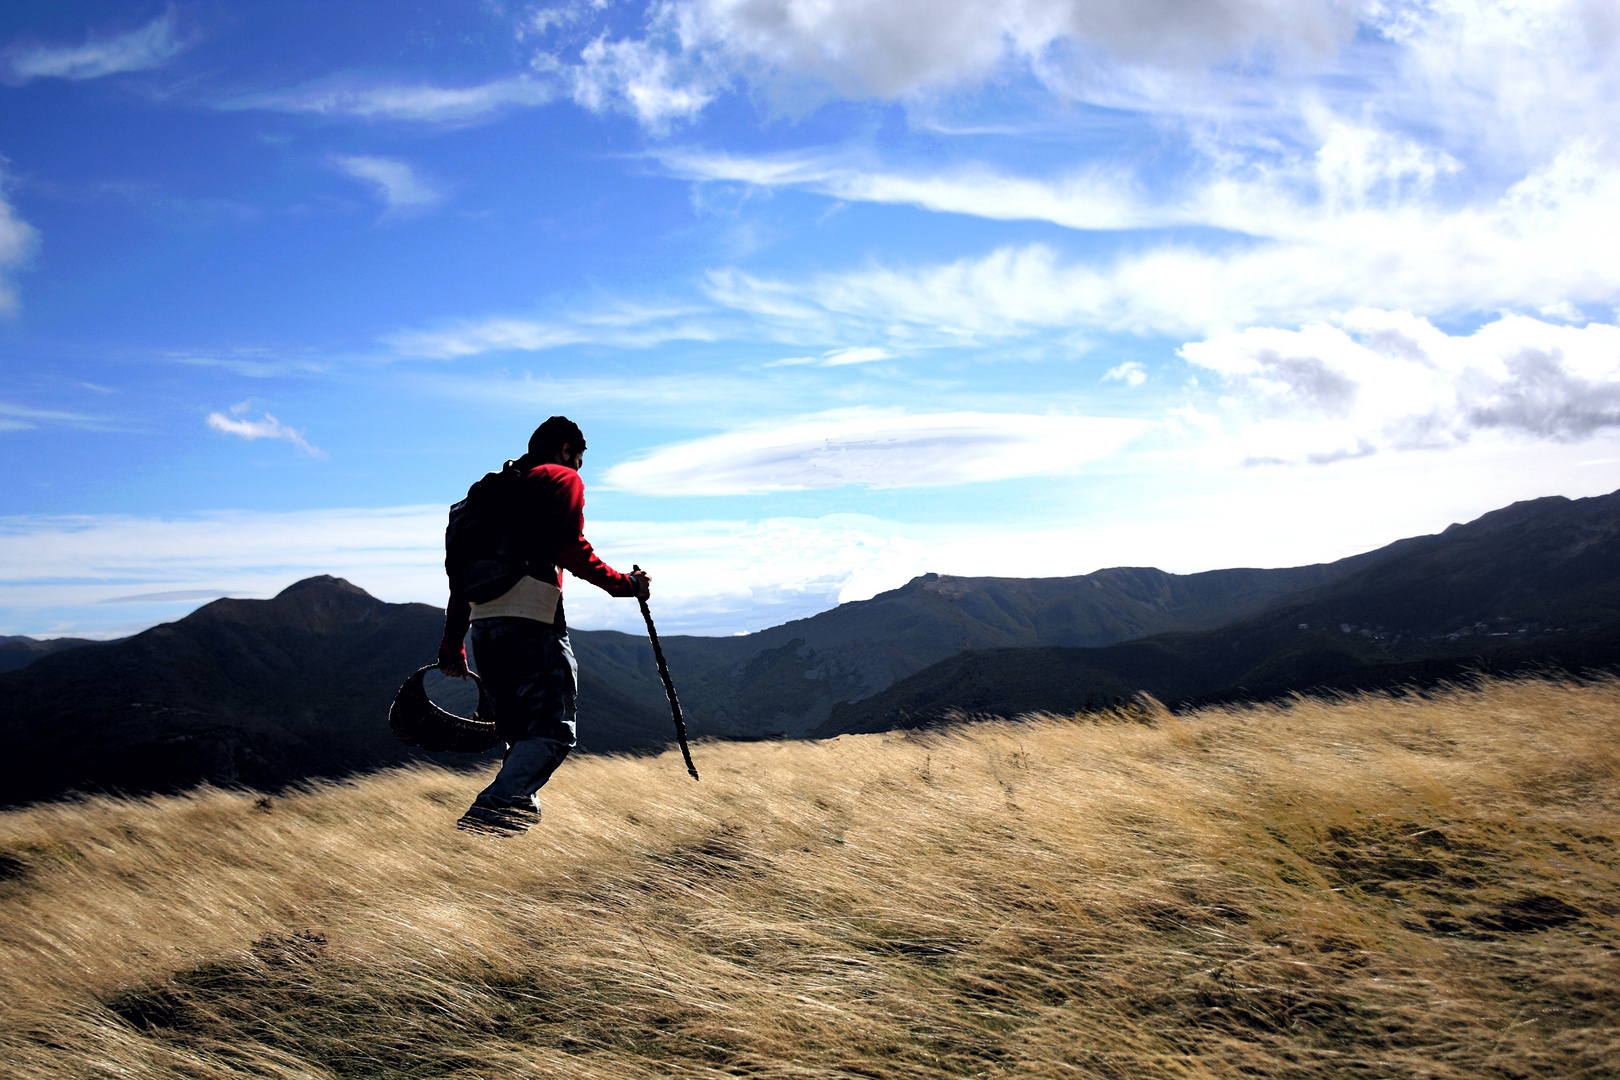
1421,887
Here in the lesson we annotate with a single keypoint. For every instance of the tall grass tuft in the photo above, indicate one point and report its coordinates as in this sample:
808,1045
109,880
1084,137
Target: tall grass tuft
1423,886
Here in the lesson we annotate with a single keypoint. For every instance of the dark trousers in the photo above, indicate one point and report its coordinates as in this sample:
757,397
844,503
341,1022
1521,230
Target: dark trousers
528,668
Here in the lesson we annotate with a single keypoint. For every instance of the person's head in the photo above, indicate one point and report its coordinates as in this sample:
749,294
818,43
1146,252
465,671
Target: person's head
557,441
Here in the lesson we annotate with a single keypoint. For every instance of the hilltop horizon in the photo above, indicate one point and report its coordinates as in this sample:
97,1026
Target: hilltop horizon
271,692
577,588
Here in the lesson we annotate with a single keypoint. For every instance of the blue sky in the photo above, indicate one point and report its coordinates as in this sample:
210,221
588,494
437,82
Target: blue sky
840,292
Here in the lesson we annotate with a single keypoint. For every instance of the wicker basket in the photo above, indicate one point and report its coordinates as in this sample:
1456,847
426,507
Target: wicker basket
417,722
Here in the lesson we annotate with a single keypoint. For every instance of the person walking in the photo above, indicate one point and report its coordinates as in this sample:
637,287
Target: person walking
520,638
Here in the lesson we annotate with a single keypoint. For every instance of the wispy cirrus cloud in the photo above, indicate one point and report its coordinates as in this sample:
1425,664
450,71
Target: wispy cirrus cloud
626,324
24,418
150,46
1550,238
18,243
1368,235
1508,77
395,182
252,363
419,103
878,449
1096,199
240,423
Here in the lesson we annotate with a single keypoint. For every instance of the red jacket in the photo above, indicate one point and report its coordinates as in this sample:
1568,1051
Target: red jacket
558,504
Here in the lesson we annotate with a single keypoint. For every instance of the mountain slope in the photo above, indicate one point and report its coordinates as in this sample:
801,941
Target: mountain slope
254,692
18,652
789,678
1536,583
266,693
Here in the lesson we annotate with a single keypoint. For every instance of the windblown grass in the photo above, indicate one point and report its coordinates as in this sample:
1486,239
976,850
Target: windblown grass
1370,887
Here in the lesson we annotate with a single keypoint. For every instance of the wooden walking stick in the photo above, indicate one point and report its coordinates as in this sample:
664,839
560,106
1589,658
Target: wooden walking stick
669,686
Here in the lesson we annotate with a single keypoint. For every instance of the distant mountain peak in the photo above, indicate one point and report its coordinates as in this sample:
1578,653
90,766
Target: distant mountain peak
1521,511
323,604
325,583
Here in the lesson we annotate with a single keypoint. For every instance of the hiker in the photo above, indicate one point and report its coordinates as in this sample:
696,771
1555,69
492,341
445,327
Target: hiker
520,637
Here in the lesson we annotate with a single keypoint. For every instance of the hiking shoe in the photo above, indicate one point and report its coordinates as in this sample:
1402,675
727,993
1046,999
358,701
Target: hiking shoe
513,821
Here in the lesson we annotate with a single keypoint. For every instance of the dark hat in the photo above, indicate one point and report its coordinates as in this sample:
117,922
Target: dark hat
418,722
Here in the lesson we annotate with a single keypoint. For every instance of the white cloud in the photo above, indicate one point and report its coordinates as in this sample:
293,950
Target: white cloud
1352,168
1553,237
1509,79
151,46
694,49
400,187
1131,373
18,242
857,354
1354,225
861,354
420,103
1389,380
1507,82
1458,158
721,576
1095,199
903,46
542,20
238,423
638,78
1357,225
879,449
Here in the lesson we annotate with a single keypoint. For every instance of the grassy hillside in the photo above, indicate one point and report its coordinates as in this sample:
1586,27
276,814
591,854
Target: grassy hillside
1424,887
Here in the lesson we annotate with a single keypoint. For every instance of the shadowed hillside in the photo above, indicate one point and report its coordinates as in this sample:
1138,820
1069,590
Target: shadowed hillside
17,652
1369,888
269,692
253,692
789,678
1534,585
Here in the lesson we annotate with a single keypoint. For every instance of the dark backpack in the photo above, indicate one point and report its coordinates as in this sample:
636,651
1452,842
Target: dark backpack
487,544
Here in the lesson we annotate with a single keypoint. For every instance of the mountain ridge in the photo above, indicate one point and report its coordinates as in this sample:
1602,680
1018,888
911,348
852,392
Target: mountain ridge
18,651
270,692
1535,584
